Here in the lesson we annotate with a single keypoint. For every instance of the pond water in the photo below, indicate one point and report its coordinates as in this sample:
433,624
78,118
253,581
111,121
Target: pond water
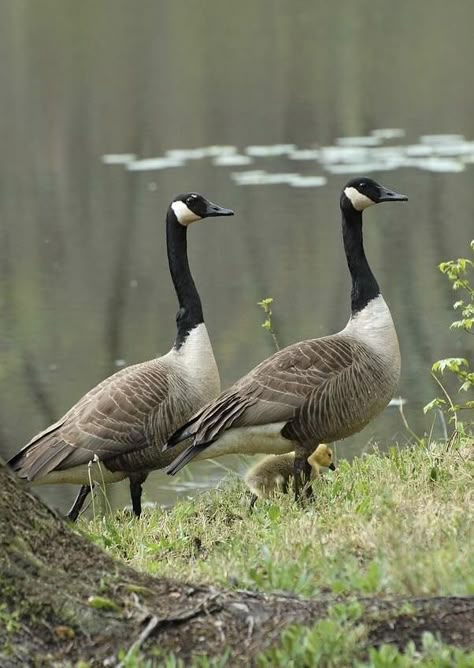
266,108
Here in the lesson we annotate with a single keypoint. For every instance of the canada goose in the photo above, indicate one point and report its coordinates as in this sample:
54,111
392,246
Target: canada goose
124,421
315,391
275,471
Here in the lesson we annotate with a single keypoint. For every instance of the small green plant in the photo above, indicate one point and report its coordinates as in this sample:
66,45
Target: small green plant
10,620
102,603
461,273
333,641
432,654
266,306
340,640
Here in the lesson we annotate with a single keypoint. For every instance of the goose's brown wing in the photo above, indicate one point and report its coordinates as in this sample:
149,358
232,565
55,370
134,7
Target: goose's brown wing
327,409
344,403
274,391
110,420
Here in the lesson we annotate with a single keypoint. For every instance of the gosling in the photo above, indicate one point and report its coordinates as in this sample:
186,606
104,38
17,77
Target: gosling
273,473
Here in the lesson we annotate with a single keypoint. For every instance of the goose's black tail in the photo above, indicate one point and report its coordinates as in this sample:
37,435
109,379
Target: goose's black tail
185,457
181,434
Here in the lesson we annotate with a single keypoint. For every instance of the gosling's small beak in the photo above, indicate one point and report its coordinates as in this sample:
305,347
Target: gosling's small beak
332,467
387,195
213,210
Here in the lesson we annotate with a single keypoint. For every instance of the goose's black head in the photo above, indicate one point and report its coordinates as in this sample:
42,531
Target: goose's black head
360,193
190,207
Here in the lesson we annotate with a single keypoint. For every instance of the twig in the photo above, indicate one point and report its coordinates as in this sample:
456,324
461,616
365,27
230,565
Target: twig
103,488
89,475
448,398
156,622
144,635
251,626
407,426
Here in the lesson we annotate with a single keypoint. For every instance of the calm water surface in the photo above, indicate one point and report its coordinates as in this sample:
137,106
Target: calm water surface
111,108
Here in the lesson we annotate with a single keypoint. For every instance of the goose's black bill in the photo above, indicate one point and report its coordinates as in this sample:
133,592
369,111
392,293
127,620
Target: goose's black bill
332,467
387,195
214,210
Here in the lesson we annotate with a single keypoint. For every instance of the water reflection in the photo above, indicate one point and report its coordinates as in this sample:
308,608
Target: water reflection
118,158
108,117
232,160
349,155
152,164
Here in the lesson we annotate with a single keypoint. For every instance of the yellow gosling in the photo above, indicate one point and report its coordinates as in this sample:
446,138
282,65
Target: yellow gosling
273,473
321,457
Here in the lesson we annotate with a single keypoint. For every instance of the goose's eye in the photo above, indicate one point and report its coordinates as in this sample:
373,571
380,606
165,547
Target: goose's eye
191,199
362,185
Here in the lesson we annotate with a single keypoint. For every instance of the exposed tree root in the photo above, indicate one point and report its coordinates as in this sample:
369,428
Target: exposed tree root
62,599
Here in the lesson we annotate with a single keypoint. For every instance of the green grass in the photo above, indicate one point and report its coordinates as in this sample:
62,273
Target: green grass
399,523
387,524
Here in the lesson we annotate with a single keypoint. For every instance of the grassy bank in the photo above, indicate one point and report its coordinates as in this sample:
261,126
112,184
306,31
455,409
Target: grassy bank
394,524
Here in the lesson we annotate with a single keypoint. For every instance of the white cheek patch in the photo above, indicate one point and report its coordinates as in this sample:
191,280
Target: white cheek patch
183,213
358,200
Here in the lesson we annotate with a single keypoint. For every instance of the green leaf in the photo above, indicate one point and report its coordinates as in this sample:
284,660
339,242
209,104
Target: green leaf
451,363
466,386
265,303
436,403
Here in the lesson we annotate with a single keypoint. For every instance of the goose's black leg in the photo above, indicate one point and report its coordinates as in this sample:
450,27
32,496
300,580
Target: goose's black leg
309,491
252,501
302,472
78,502
136,483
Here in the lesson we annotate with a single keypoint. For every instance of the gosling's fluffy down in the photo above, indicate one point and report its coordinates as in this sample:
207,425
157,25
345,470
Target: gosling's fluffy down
273,473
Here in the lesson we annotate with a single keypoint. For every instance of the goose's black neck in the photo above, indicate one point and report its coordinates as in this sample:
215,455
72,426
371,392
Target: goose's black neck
190,308
364,285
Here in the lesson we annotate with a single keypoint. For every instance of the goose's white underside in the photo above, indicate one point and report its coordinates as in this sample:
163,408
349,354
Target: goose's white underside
265,439
79,475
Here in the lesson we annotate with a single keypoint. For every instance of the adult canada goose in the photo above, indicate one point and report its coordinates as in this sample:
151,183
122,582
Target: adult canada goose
274,472
315,391
125,420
